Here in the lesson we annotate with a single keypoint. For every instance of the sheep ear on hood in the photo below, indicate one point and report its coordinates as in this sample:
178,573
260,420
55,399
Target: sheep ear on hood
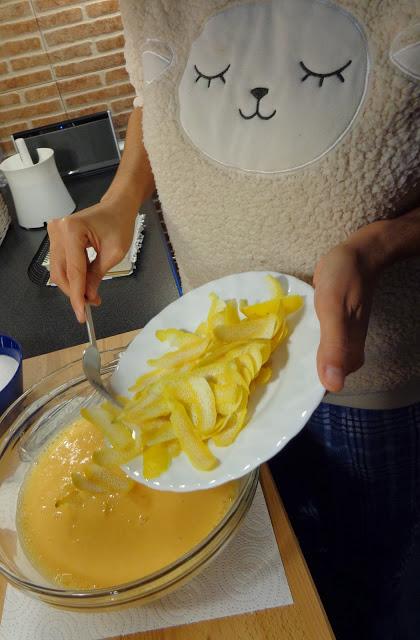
157,57
405,51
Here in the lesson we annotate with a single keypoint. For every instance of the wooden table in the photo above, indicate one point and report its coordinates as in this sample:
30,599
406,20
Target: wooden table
304,619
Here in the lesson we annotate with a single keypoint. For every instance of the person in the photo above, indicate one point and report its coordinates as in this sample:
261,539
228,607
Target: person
284,135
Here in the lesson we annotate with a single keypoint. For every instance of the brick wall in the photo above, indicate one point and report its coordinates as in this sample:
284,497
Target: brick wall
58,59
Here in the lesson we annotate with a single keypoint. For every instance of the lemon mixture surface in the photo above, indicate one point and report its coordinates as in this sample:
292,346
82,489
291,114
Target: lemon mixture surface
100,540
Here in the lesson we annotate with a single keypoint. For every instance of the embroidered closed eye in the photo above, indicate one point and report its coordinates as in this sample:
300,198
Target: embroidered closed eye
338,73
209,79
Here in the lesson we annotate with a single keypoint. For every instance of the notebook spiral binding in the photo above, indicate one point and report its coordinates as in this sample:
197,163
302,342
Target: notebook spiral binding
168,245
37,273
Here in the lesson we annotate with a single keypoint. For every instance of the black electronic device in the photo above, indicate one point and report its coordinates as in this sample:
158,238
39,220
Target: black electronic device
81,145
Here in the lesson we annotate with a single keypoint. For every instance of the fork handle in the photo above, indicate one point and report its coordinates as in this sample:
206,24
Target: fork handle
89,325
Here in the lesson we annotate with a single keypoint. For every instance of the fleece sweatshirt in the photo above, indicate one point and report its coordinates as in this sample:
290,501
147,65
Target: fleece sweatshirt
277,128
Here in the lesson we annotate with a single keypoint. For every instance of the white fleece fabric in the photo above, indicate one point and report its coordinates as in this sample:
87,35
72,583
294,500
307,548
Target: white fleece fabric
224,219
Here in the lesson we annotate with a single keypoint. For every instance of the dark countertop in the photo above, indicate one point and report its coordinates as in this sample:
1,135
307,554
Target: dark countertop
41,318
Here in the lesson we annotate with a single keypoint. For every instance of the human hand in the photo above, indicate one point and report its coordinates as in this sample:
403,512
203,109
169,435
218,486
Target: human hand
107,227
344,280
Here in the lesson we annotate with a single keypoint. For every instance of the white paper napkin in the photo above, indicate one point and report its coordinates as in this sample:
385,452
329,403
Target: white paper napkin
247,576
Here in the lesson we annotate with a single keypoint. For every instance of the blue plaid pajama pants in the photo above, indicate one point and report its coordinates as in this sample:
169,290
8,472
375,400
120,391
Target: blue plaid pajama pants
350,482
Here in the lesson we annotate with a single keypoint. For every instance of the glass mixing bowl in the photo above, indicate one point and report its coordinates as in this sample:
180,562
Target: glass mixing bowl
26,427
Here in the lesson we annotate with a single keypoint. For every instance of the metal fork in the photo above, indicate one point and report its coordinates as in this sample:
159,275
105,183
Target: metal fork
91,362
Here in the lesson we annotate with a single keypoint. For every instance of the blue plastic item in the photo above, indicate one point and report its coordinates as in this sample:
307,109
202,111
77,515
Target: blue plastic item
14,388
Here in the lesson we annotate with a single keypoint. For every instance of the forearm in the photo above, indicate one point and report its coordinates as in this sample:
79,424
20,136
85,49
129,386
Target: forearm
384,242
133,183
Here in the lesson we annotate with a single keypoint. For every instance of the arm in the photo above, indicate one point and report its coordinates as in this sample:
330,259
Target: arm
387,241
107,226
344,281
134,178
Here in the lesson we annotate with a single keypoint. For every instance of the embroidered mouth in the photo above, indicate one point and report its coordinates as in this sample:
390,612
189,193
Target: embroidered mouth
257,114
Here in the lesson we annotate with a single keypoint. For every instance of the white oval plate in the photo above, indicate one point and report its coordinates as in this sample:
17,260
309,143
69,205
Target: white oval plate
278,410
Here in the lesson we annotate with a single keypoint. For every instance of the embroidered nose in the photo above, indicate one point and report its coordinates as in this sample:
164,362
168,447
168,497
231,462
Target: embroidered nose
259,92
